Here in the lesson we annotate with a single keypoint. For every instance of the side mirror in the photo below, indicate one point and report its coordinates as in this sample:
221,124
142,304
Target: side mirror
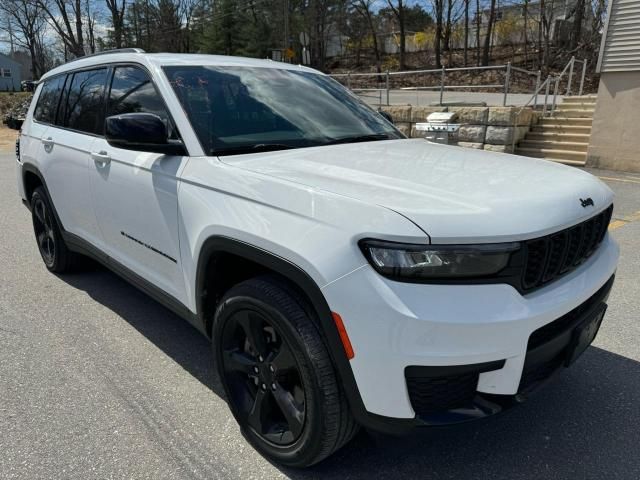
142,132
386,115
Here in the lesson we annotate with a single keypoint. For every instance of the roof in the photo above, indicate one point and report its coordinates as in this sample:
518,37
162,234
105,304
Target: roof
154,61
7,58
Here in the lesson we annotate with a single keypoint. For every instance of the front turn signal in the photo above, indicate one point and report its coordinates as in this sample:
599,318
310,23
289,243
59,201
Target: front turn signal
344,337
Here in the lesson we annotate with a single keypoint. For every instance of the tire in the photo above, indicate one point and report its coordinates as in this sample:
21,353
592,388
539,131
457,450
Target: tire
54,252
295,413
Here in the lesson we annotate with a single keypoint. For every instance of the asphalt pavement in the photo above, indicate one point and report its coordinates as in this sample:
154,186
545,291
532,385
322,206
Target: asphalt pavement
98,381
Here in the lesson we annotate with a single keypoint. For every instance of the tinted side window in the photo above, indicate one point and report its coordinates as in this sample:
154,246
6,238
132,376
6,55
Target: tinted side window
83,109
48,100
133,92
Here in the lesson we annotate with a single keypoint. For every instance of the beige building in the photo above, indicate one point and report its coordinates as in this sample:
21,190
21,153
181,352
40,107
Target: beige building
615,135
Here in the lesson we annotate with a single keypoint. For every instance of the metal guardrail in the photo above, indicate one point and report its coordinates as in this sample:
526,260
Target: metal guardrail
384,84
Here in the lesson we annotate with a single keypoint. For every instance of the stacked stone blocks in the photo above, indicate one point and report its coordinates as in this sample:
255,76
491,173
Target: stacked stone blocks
488,128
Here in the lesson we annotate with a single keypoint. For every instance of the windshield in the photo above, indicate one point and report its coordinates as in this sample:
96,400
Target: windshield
241,109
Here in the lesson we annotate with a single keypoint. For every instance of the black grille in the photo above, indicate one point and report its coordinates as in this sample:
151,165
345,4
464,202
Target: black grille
430,395
547,258
438,389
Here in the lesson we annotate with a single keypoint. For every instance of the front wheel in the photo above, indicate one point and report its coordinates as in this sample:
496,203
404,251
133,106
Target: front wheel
279,380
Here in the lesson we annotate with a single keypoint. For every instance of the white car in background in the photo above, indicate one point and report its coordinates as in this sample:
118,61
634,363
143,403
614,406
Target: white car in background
346,276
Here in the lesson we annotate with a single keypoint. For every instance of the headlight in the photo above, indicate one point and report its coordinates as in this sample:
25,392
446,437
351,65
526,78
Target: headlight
424,262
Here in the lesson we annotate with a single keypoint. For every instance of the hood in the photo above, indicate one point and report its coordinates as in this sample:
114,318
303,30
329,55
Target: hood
454,194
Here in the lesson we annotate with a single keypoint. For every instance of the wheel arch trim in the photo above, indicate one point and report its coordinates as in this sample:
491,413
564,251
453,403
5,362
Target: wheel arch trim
302,280
31,168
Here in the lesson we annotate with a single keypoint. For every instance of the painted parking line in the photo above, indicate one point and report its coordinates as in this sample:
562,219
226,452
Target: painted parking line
621,222
617,224
625,180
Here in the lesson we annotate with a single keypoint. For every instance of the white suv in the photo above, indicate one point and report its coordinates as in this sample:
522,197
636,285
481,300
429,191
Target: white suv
347,276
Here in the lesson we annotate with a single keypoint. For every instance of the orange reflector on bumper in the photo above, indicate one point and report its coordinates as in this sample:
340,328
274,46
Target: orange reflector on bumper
346,343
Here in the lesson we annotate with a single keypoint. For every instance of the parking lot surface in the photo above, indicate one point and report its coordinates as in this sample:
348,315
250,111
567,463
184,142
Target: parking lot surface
98,381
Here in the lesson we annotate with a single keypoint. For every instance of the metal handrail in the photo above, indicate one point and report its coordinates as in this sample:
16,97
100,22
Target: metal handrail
569,70
495,85
570,66
508,69
534,97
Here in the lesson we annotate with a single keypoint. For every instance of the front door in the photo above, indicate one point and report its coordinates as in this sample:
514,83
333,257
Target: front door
135,194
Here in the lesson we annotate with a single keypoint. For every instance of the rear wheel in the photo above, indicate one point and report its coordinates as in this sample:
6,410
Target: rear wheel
54,252
279,379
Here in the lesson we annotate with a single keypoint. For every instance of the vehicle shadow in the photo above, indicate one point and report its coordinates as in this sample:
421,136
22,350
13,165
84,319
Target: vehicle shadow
166,330
585,423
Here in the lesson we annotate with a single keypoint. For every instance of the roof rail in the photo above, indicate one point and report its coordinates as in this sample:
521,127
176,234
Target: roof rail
107,52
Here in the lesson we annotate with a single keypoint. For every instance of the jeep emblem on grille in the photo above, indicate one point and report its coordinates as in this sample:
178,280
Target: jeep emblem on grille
587,202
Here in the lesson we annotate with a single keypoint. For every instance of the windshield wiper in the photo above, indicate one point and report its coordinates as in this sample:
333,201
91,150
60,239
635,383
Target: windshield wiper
359,138
258,147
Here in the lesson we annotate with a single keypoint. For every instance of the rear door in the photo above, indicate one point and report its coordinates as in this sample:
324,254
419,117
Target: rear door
67,147
35,127
135,194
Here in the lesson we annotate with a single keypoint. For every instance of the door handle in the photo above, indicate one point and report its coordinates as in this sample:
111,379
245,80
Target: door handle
48,144
101,158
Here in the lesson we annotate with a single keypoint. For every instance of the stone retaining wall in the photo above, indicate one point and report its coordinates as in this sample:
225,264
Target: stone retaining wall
488,128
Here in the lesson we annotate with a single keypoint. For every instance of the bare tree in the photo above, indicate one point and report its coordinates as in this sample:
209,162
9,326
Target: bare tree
65,17
398,9
450,20
453,18
525,13
577,24
364,8
117,11
28,19
466,31
547,9
478,22
90,22
438,8
541,14
487,38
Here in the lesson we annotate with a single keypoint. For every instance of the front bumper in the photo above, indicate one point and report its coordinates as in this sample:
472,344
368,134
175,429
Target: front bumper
397,328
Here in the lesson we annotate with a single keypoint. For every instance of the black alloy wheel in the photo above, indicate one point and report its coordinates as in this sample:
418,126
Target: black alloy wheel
280,382
263,377
53,250
43,228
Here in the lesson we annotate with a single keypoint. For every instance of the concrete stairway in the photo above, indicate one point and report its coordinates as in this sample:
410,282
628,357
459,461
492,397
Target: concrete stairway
563,137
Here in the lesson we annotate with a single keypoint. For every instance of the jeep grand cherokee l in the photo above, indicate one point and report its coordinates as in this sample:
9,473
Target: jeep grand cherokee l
346,276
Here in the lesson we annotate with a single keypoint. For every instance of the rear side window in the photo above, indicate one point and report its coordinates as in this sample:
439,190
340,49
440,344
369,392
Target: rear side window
84,106
132,91
48,100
